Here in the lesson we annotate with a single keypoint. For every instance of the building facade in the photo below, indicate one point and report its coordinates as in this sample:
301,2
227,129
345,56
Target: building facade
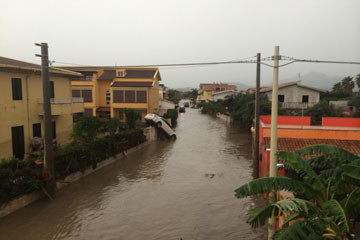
208,89
293,95
21,106
108,91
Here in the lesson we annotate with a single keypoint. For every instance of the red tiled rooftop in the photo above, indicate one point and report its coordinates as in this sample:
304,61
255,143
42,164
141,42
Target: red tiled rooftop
293,144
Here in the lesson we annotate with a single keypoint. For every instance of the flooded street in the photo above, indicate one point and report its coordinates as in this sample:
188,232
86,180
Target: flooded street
167,190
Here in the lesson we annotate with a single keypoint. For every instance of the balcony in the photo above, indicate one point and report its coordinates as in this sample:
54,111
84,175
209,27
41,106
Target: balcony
297,105
60,106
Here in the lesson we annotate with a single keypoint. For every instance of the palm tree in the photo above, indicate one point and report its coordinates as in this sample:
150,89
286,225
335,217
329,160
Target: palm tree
326,190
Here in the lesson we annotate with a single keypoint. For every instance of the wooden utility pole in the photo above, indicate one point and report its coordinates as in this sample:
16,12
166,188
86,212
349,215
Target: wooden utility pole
273,140
257,116
49,173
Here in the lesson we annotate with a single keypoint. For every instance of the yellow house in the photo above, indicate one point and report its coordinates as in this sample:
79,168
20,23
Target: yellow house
107,91
207,89
21,106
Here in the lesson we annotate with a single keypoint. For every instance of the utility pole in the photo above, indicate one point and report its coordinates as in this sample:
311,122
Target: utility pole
273,140
257,117
49,173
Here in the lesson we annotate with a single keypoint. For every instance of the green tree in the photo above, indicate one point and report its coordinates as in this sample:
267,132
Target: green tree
174,95
321,109
173,114
326,202
86,128
132,116
113,125
358,81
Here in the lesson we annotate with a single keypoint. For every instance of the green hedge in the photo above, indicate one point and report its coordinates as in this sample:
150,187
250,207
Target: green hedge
18,177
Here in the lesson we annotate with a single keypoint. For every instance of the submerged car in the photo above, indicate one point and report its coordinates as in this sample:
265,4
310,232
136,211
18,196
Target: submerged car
161,123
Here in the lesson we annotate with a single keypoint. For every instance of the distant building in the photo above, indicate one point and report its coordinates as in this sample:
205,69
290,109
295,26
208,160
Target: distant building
293,95
108,91
222,95
21,106
207,89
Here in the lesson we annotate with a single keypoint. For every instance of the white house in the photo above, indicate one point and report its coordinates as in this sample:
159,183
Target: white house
294,95
164,105
222,95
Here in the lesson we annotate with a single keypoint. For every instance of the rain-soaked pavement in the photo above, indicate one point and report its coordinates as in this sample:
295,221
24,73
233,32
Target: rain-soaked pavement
167,190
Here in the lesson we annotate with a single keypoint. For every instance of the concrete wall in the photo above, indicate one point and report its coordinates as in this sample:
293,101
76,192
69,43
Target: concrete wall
28,111
340,122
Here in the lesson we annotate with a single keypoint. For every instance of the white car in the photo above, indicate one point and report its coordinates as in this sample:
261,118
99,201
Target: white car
161,123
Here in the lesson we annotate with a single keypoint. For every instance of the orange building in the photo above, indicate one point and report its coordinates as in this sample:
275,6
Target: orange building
107,91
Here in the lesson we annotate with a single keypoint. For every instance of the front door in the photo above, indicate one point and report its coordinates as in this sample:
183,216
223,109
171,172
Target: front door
18,142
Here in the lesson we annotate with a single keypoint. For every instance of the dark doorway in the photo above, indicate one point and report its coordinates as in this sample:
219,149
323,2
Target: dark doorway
18,142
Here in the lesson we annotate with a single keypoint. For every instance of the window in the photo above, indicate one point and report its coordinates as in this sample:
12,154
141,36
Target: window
88,78
305,98
52,91
87,95
107,97
129,96
118,96
16,89
76,93
141,97
281,98
120,74
37,130
53,129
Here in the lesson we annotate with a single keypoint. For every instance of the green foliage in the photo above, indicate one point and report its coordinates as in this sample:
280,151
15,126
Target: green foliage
86,128
321,109
18,177
174,95
79,156
173,114
113,125
213,107
326,200
132,116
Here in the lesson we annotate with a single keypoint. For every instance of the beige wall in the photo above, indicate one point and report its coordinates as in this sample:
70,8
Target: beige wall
28,111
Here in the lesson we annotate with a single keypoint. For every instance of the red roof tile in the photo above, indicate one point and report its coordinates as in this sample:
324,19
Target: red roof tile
217,87
293,144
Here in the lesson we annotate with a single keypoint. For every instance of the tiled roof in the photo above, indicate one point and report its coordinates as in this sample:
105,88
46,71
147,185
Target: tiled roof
288,84
293,144
13,62
16,64
217,87
131,84
108,75
140,73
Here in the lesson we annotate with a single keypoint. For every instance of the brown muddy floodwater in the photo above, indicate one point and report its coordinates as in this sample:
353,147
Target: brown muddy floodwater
167,190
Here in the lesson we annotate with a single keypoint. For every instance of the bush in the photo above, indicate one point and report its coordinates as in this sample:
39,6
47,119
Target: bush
132,116
18,177
173,114
86,128
113,125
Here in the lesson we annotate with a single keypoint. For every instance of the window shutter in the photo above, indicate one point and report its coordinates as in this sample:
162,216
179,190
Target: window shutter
141,97
118,96
87,95
129,96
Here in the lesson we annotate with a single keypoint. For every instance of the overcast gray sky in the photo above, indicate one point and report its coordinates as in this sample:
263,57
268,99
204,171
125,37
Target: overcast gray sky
134,32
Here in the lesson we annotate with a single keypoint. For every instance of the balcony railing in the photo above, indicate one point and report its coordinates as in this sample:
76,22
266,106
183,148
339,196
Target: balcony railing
297,105
62,100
